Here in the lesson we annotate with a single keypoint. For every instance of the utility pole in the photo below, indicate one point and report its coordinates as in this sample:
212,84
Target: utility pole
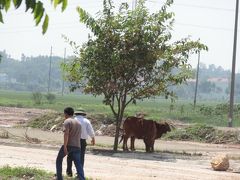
49,71
64,59
230,115
134,4
196,86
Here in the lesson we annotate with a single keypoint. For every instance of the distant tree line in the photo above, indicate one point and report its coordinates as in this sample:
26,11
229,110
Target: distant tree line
31,74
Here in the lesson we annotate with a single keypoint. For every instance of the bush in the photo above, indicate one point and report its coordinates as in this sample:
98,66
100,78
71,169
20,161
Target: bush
37,97
206,110
50,97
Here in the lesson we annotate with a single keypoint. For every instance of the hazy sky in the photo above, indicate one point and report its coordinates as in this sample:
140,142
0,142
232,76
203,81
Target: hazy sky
210,20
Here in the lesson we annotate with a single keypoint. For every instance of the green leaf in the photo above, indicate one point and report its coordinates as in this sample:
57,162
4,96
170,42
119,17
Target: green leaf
56,2
7,4
30,4
38,19
1,19
64,4
45,24
17,3
38,10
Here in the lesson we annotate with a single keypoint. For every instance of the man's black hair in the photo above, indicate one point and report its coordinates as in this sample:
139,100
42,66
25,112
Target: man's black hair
69,111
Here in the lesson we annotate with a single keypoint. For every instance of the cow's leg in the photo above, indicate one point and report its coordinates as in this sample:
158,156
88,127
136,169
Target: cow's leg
147,145
132,143
125,139
152,146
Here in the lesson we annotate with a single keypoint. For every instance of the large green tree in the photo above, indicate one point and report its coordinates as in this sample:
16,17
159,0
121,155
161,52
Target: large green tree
129,56
36,7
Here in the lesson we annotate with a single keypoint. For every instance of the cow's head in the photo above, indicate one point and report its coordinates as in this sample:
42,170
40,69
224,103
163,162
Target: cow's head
162,128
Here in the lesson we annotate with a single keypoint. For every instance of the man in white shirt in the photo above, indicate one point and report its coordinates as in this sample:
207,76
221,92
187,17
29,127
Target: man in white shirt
87,130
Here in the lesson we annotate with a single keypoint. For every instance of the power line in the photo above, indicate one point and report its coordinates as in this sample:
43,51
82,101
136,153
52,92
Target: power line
195,6
204,27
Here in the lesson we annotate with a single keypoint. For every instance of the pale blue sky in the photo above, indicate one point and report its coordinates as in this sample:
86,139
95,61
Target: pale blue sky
210,20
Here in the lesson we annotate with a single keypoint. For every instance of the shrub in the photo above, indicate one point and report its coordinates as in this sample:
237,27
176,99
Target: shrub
50,97
37,97
206,110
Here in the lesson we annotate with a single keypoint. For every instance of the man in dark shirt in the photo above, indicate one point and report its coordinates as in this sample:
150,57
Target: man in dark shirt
72,134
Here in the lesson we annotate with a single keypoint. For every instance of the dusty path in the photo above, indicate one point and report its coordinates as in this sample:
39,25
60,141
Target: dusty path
122,166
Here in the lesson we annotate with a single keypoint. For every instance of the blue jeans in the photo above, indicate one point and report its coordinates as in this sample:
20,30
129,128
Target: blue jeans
83,143
75,153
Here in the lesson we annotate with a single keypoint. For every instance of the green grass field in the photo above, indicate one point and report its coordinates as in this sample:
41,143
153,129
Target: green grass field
210,113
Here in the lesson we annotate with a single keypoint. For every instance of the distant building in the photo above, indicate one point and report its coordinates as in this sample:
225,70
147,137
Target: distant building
218,80
213,80
191,80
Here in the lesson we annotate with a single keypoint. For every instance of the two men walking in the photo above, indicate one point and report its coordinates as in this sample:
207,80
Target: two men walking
76,131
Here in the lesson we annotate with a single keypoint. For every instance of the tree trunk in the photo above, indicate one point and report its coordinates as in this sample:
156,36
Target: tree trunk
118,124
115,147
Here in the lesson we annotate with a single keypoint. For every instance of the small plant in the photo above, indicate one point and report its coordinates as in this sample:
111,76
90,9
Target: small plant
4,135
50,97
182,110
37,97
171,108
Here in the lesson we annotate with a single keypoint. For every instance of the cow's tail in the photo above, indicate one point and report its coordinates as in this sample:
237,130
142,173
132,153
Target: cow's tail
121,136
121,140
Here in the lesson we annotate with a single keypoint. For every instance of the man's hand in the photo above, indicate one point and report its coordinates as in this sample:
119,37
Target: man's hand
93,141
65,151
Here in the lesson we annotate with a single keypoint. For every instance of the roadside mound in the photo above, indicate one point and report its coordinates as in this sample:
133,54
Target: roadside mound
53,121
206,134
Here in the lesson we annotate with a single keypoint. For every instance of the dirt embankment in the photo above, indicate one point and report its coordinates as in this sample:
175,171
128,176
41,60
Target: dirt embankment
11,116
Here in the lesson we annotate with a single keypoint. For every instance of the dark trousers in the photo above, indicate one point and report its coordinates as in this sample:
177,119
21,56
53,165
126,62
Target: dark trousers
74,152
82,154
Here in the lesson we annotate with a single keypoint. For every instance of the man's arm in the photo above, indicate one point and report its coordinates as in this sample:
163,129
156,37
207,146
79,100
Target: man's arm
65,136
91,133
65,142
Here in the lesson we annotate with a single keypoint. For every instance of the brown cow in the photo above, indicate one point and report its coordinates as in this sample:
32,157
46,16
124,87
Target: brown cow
148,130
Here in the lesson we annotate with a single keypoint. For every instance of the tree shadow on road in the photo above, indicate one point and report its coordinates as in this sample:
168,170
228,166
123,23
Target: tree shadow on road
166,156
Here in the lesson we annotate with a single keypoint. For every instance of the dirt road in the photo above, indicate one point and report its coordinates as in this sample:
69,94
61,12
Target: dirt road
175,160
123,166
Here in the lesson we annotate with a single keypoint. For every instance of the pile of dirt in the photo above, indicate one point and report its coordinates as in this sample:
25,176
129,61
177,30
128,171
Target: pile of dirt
49,121
106,130
53,121
204,133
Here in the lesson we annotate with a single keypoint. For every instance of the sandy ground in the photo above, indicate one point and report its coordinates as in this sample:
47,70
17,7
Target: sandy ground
174,159
123,166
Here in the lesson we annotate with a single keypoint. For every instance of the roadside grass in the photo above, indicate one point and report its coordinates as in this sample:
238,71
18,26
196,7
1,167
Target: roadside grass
159,109
25,173
7,172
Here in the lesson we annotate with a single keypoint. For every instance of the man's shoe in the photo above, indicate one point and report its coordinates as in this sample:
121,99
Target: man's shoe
69,174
